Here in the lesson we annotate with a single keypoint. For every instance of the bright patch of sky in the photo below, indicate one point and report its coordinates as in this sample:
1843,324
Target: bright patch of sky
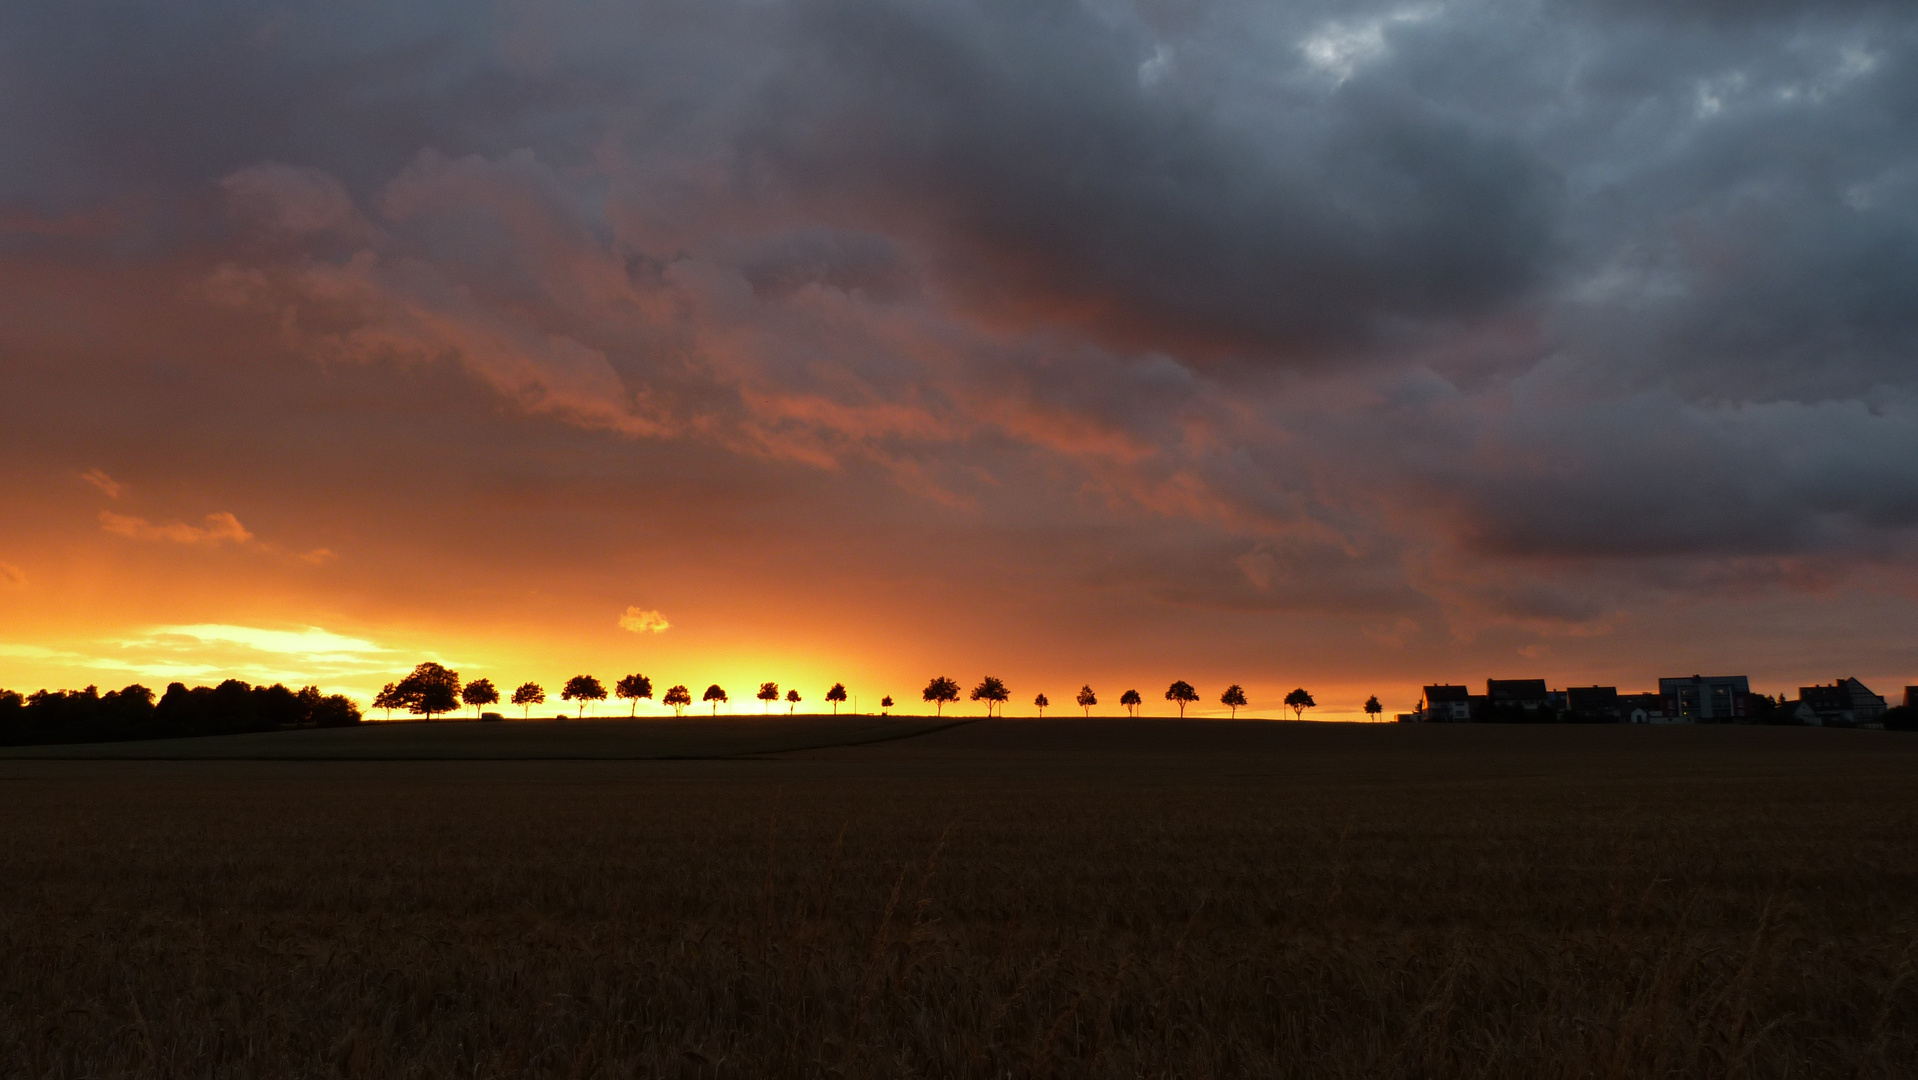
312,642
1340,48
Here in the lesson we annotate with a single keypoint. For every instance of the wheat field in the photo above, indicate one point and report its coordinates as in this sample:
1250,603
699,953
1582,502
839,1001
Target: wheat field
1006,898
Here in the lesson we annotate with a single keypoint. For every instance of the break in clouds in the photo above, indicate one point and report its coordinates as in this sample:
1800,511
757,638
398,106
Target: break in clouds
1493,310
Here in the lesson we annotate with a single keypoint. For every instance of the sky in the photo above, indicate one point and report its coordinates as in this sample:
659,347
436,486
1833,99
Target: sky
1344,346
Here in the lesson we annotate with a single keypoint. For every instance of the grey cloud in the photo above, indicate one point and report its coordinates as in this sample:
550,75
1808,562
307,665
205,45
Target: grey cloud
1018,144
1622,283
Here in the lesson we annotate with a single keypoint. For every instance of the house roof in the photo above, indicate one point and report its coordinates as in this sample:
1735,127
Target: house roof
1524,689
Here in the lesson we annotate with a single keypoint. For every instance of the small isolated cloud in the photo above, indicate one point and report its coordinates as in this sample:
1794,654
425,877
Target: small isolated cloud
639,621
219,528
11,576
318,556
98,478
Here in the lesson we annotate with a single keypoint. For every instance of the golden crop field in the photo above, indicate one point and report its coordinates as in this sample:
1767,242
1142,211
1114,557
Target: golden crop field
1006,898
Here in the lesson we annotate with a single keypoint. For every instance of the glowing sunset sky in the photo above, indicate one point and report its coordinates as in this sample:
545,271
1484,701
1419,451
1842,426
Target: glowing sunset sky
1350,346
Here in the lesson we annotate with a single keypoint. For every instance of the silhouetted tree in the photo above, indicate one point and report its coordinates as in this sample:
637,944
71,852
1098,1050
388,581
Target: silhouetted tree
430,689
633,688
678,697
317,709
1131,700
528,695
1040,703
1299,701
940,691
768,693
836,695
715,695
885,703
991,691
388,698
583,688
131,713
478,693
1372,707
792,699
1087,699
1233,697
1182,694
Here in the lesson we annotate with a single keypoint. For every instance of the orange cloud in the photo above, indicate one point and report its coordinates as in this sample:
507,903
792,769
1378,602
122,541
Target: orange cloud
98,478
640,621
219,528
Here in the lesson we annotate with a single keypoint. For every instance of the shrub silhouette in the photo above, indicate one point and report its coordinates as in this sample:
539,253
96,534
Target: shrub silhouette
583,688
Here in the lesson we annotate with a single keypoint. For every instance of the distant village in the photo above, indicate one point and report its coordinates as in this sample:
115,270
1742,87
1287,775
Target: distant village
1695,699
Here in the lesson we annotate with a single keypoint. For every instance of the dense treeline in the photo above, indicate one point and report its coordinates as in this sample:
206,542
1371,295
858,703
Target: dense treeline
66,716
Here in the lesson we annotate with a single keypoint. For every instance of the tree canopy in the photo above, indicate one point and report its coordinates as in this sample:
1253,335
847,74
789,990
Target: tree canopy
941,691
715,695
528,695
1234,698
1181,694
429,689
1299,701
678,697
583,688
478,693
389,699
71,716
1131,700
992,691
633,688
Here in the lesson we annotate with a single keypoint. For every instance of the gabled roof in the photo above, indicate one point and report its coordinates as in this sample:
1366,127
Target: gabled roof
1522,689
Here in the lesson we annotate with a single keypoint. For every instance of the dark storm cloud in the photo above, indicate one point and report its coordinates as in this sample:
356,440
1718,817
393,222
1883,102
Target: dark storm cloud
1036,151
1439,286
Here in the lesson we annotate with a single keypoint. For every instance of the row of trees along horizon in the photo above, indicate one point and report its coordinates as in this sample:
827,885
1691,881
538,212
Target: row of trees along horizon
433,690
235,706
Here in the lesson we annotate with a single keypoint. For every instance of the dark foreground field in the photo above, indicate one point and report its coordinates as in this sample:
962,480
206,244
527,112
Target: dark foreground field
1008,898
